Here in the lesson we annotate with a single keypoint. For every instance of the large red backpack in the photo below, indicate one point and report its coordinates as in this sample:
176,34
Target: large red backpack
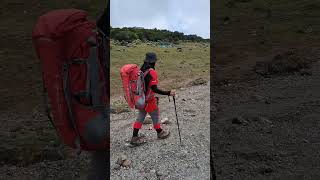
134,87
75,61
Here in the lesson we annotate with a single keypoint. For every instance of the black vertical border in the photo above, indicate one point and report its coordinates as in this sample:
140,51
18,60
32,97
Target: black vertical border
103,23
212,59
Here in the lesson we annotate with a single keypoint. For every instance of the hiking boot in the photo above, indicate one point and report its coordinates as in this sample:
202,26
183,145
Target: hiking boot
163,134
137,140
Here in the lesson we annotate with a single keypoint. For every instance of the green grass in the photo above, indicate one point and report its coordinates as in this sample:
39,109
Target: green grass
174,68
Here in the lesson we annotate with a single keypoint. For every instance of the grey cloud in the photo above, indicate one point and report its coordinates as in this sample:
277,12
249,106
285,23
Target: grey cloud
188,16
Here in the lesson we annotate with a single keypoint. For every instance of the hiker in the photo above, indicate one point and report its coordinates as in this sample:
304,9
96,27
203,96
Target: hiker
151,107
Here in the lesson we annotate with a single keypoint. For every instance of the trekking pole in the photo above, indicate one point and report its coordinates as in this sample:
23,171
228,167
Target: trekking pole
175,109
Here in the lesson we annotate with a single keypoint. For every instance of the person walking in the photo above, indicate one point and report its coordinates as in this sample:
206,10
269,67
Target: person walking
151,107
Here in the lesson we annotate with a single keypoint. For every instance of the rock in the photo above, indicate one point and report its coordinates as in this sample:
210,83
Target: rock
124,43
117,167
165,121
262,119
190,111
239,120
158,173
197,82
153,171
184,99
126,163
265,120
121,159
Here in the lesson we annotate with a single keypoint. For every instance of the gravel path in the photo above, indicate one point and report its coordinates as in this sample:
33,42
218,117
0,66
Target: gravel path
166,159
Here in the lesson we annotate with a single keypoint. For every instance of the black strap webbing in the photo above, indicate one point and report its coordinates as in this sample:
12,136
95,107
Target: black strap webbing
68,101
95,88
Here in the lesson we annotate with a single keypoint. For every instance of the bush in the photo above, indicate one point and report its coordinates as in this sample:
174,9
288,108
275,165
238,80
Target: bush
127,36
131,34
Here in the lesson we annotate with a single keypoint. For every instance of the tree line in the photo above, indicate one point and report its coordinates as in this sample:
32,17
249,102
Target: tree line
130,34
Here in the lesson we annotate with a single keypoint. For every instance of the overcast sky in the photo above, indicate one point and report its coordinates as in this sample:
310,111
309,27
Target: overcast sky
187,16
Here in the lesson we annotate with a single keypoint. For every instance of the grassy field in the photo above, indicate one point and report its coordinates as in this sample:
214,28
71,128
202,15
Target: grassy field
174,68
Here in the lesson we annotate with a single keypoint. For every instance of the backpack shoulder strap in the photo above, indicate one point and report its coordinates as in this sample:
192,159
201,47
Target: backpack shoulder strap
93,78
147,72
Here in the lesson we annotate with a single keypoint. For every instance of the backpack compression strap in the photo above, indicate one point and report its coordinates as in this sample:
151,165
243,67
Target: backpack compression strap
67,94
93,75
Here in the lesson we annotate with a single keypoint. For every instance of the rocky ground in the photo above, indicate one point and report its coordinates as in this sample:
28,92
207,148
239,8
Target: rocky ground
157,159
166,159
268,127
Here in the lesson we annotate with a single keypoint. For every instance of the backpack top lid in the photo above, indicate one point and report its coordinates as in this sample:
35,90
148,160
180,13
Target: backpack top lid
56,23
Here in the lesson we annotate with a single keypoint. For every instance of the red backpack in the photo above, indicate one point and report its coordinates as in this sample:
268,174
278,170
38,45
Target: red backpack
74,60
134,85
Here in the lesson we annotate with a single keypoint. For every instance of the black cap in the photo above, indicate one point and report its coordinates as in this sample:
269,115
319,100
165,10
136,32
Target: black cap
151,57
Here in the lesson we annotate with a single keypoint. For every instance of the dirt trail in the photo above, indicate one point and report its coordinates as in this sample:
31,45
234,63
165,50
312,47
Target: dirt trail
268,128
166,159
158,159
